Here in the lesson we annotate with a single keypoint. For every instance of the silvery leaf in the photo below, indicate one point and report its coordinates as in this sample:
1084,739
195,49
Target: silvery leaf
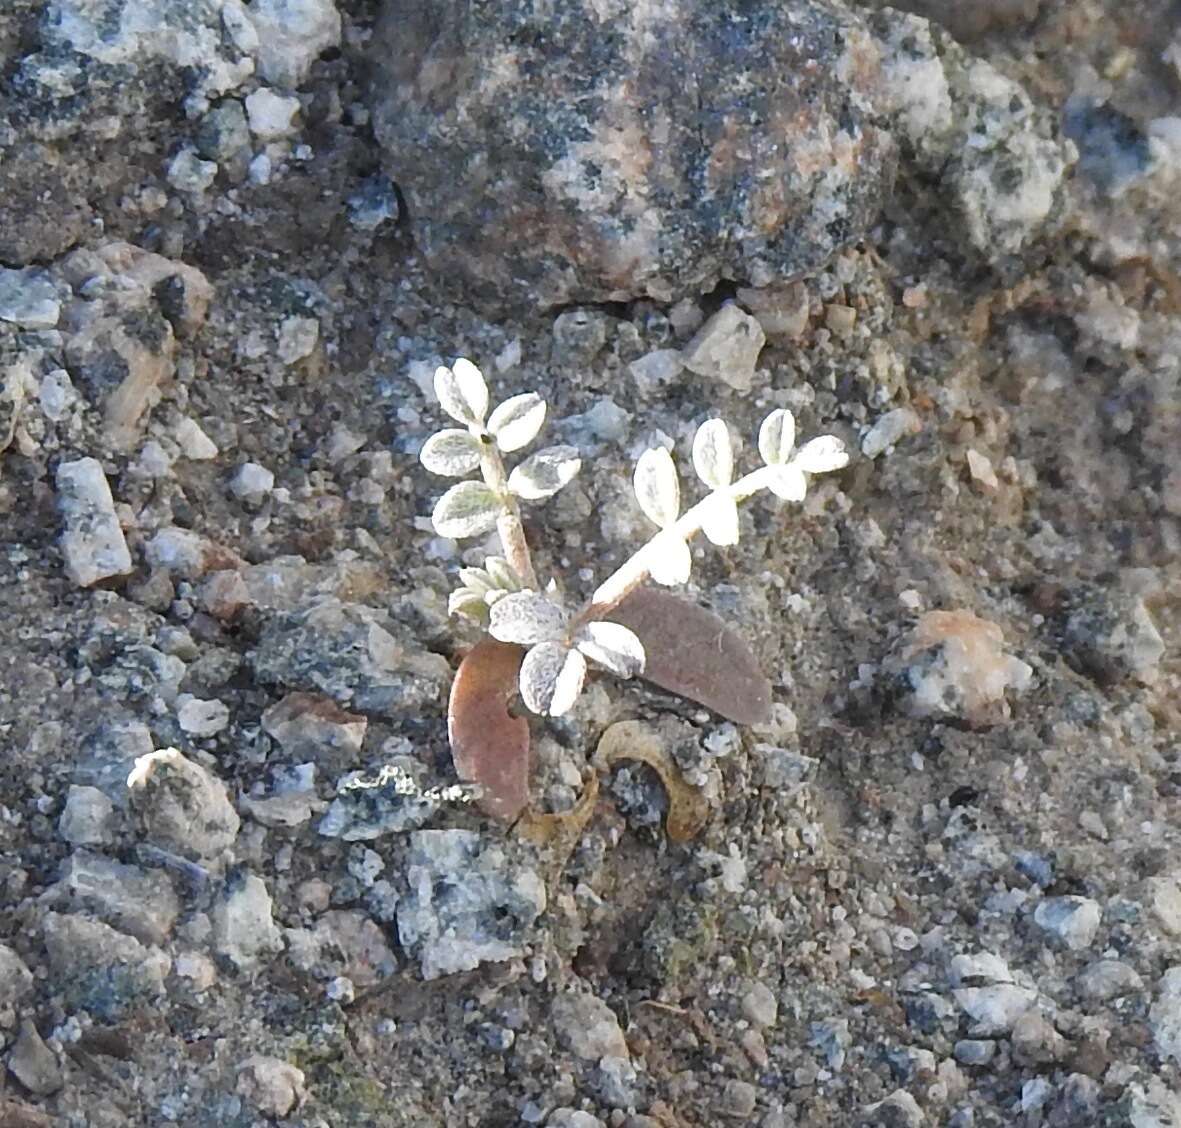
551,678
469,509
467,601
719,519
477,579
462,392
821,455
787,482
451,453
613,646
777,437
526,617
669,559
657,488
515,422
544,473
713,456
501,573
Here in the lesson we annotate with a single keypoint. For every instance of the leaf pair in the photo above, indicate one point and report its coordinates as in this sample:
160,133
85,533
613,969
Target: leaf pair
777,438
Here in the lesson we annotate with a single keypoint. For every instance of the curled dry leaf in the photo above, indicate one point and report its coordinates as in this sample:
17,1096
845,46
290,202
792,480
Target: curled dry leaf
565,828
488,745
631,740
690,651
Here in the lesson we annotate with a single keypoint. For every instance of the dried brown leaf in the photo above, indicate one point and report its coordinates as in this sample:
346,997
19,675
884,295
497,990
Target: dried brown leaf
566,827
488,745
687,806
692,652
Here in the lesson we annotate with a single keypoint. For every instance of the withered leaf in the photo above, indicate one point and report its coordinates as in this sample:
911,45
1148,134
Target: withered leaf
692,652
488,745
631,740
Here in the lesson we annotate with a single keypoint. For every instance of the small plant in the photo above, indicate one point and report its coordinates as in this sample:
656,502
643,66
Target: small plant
623,628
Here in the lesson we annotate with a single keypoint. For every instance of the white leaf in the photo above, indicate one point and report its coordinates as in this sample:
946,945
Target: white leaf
462,392
477,579
469,509
719,519
787,482
821,455
551,678
467,601
612,645
713,456
669,559
515,422
657,488
526,617
544,473
501,573
777,437
451,453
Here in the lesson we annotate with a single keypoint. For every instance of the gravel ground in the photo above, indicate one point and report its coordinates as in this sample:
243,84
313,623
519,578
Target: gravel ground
941,887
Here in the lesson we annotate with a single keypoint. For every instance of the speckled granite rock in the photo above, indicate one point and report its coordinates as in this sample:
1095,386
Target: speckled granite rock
611,150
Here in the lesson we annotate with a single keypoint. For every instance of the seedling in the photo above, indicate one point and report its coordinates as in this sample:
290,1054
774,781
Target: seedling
625,628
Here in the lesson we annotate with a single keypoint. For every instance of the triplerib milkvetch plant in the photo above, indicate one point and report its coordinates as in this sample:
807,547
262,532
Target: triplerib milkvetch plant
506,594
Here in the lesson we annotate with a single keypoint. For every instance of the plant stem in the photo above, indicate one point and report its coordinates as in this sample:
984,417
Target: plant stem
636,569
508,524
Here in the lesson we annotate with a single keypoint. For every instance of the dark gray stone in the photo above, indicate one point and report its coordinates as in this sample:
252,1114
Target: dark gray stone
608,150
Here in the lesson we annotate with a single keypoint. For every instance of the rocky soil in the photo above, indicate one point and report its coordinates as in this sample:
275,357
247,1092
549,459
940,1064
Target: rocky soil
238,884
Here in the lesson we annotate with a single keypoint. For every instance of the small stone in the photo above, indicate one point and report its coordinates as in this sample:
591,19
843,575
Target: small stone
198,969
1079,1101
93,542
252,483
87,819
201,718
573,1118
193,442
187,172
33,1063
760,1006
587,1027
738,1099
1164,899
1108,634
980,468
368,807
140,902
187,554
271,115
244,929
28,298
57,395
375,203
291,36
180,806
1034,1093
1035,1041
890,429
782,311
655,370
310,724
898,1110
1074,920
840,319
1165,1015
578,336
615,1080
271,1086
975,1051
297,338
1107,979
16,981
726,348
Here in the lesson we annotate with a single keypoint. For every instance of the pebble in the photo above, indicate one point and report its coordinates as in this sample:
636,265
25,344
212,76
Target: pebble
187,172
760,1005
376,202
898,1110
1107,979
1165,1015
57,394
975,1051
33,1063
193,442
199,717
738,1100
587,1027
1034,1039
782,311
92,543
252,483
291,36
271,1086
1073,920
655,370
890,429
297,338
310,724
271,115
573,1118
16,981
1164,899
726,348
180,806
87,819
244,929
140,902
28,298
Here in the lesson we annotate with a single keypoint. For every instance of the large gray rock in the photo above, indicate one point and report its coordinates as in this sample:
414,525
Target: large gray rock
601,150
